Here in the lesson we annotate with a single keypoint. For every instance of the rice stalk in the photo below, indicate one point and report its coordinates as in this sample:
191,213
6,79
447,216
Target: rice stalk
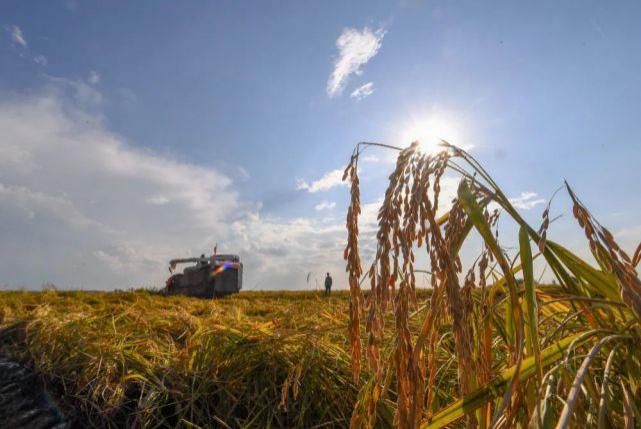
495,322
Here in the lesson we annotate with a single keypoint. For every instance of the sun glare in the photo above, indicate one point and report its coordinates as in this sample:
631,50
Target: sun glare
429,131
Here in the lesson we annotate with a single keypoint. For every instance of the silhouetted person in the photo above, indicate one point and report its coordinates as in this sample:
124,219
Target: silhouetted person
328,284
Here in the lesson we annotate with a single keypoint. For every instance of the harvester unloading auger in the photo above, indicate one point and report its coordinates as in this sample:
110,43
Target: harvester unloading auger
213,276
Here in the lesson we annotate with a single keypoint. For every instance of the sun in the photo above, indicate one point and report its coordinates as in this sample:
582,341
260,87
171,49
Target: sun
429,130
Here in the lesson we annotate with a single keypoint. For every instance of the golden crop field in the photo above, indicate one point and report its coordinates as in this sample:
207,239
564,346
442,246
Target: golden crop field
142,359
486,346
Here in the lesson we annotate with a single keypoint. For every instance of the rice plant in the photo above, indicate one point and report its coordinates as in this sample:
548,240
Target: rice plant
488,351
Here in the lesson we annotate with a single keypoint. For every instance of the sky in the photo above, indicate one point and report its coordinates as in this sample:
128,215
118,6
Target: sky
137,132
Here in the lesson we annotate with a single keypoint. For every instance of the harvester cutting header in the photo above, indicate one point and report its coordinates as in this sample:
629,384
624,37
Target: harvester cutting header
209,277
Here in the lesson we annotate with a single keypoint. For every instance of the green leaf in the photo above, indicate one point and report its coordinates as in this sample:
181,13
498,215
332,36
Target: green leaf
598,282
496,388
532,335
513,318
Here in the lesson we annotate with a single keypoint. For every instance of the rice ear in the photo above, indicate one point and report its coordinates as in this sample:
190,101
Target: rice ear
479,327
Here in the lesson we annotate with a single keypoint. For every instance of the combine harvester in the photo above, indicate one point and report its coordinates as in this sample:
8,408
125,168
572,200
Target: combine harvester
210,277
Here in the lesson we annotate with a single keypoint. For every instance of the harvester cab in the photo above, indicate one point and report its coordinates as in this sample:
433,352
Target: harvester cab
207,277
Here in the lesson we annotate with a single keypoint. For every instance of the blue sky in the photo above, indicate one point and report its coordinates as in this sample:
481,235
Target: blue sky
134,132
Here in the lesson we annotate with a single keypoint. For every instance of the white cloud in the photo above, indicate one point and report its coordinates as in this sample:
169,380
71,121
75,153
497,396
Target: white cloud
629,237
629,231
385,158
363,91
36,204
40,60
82,207
325,205
16,35
526,200
284,251
328,181
94,77
125,96
355,49
243,173
87,99
157,200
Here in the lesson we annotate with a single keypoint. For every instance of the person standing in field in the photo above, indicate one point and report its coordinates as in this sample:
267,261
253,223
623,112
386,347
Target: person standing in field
328,284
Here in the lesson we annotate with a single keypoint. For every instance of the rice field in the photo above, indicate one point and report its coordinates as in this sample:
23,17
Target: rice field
138,359
485,346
